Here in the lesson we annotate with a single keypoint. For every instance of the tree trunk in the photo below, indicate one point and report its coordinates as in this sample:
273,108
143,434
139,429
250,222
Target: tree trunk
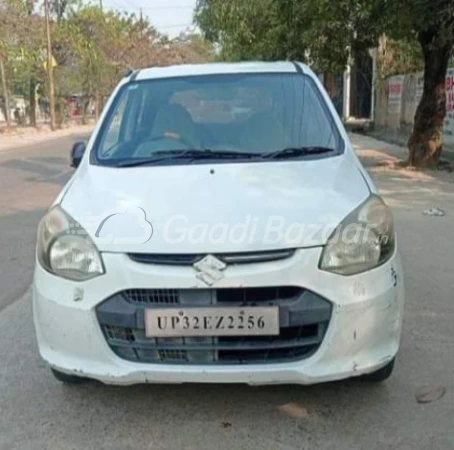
426,142
32,100
50,67
86,102
5,96
97,106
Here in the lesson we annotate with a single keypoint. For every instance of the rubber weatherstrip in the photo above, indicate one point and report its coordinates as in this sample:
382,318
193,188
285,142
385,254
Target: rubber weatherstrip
298,67
134,75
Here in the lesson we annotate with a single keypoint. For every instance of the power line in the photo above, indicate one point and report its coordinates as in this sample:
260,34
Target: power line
174,26
115,4
157,8
124,5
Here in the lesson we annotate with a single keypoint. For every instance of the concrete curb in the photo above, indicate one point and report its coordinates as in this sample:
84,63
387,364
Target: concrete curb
8,142
448,152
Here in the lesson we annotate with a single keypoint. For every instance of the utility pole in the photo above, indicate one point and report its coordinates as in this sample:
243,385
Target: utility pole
50,68
100,5
5,95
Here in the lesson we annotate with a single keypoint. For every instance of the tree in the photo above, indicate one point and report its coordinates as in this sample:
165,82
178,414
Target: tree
4,92
327,33
93,48
195,47
399,56
5,106
431,23
21,36
60,8
321,32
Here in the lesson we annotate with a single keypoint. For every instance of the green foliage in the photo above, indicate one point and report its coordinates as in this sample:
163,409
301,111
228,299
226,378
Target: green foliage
323,32
92,48
318,31
405,19
21,46
399,56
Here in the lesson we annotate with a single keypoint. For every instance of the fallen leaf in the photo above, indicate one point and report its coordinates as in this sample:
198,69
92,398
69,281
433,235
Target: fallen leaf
430,394
294,410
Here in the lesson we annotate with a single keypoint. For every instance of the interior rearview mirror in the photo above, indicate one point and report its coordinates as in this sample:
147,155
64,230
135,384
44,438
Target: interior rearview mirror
77,152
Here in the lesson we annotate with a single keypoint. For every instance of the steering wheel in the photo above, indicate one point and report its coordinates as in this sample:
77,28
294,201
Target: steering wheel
174,137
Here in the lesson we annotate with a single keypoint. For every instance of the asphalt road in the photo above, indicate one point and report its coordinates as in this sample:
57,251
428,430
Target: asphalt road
30,179
39,413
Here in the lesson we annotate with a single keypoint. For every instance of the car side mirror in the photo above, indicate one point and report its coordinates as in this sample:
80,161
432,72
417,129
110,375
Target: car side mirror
77,152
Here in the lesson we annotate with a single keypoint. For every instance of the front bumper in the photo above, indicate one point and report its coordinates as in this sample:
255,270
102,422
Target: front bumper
362,336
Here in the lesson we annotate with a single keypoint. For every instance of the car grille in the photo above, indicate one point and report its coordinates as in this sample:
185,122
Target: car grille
304,318
188,259
153,296
241,296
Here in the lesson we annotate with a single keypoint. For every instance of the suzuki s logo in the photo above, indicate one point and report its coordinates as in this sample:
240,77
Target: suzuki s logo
209,270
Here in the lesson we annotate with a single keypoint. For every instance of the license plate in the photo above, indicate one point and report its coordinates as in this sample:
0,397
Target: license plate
233,321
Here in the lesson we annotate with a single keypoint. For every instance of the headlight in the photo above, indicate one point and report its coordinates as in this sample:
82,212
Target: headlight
364,240
65,249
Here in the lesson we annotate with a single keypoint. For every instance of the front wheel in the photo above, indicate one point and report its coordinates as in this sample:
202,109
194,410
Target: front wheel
380,375
68,379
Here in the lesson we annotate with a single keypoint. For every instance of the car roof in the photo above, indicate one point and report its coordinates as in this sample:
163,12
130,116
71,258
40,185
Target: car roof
219,68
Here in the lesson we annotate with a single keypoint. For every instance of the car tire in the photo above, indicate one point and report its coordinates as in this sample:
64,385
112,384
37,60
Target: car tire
68,379
380,375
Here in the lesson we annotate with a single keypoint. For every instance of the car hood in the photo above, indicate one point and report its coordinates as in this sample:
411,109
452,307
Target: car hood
218,208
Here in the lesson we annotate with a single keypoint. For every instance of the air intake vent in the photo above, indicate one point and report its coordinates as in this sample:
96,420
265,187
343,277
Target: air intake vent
229,258
152,296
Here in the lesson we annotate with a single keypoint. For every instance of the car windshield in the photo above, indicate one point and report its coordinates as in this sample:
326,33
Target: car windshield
228,117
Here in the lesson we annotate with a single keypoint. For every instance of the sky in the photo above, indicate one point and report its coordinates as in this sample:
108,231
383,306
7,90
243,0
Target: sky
167,16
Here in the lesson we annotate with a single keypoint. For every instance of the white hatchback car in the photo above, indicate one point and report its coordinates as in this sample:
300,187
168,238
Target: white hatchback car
197,244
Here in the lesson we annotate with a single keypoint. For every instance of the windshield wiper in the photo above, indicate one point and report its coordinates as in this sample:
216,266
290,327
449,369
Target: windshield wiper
209,153
188,154
296,152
